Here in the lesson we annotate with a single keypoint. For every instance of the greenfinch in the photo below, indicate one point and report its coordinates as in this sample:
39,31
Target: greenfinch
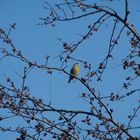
74,71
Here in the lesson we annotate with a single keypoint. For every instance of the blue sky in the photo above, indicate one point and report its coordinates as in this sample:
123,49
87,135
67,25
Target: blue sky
37,41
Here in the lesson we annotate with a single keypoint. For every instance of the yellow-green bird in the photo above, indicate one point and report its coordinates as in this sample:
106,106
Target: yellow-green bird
74,71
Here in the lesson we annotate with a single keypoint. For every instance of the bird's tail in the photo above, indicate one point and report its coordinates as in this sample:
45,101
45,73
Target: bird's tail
71,77
69,80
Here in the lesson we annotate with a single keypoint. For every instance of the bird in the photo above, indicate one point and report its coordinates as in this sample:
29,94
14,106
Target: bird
74,71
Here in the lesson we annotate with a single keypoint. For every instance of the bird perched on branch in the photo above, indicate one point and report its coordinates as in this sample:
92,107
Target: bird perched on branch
74,71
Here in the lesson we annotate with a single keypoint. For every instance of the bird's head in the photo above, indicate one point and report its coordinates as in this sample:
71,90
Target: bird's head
78,64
